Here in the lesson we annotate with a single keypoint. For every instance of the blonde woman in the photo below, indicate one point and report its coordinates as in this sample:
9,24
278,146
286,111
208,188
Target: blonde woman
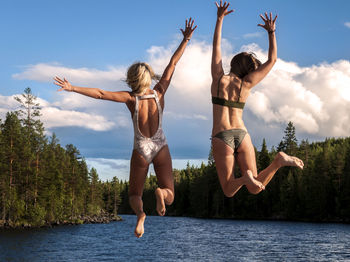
146,106
229,94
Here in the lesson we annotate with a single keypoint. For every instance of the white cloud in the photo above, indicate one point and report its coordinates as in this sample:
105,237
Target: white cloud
347,24
56,117
184,116
253,35
43,72
315,98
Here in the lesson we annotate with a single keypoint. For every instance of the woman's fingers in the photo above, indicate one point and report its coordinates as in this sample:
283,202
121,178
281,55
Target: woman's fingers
274,20
262,17
267,18
58,79
57,84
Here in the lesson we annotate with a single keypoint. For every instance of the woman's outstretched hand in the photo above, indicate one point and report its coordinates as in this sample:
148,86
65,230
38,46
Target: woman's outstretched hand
222,9
187,33
64,84
269,25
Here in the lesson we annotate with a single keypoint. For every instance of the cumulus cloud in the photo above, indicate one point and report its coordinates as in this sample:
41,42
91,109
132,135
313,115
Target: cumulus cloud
57,117
175,115
253,35
44,72
316,98
54,117
347,24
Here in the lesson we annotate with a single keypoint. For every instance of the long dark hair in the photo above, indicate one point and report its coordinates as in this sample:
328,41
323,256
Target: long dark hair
244,63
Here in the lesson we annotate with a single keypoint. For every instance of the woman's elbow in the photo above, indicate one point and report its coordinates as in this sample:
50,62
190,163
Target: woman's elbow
99,94
272,60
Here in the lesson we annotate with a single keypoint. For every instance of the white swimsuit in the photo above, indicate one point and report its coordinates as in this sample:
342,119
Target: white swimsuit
148,147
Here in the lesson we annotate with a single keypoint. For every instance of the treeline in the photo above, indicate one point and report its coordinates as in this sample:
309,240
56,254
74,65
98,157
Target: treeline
320,192
42,182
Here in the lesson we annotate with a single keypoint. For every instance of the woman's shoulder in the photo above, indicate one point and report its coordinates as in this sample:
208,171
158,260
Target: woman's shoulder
230,79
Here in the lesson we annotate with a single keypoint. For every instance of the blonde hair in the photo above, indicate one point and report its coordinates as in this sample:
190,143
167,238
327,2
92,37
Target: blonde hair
140,76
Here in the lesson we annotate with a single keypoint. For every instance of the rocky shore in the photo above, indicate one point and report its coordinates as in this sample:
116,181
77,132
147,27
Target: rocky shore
103,218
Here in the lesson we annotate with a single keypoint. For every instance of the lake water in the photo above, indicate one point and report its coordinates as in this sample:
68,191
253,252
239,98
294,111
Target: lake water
180,239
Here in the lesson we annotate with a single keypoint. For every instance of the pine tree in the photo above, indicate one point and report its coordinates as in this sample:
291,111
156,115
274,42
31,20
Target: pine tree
289,142
211,160
263,157
29,113
12,144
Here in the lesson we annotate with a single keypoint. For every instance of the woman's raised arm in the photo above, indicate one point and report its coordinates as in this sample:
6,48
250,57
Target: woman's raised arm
216,61
121,96
169,70
256,76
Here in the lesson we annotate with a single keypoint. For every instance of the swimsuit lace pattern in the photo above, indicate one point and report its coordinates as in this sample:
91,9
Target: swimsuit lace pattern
148,147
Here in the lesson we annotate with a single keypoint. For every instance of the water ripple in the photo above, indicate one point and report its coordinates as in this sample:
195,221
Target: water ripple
180,239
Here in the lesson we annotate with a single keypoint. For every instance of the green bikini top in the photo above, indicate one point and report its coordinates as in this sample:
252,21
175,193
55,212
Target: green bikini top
223,102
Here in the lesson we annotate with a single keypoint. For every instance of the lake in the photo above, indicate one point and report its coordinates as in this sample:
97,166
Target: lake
180,239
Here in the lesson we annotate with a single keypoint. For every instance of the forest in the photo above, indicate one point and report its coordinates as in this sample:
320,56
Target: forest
318,193
43,183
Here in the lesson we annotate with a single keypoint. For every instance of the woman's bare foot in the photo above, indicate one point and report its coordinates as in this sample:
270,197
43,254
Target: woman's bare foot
286,160
160,202
139,229
250,180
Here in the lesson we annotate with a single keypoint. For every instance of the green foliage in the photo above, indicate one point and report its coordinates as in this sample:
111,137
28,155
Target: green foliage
320,192
40,181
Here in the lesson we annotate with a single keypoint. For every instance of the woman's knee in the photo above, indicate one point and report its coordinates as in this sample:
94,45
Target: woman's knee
228,192
133,195
254,190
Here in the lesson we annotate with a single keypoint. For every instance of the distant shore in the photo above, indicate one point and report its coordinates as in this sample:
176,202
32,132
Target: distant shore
103,218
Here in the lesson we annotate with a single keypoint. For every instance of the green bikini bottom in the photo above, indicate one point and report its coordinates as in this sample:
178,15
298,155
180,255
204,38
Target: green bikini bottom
232,137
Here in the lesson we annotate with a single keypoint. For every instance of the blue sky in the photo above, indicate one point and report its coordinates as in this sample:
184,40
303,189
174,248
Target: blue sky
92,43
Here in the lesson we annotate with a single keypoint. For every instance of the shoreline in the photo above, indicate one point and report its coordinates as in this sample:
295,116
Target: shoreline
103,218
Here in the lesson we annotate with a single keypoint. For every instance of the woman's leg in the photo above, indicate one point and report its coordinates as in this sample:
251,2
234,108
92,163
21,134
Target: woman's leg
224,160
247,163
138,173
164,172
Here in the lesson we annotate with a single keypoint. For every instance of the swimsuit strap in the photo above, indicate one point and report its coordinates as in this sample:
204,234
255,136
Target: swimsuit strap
136,105
160,111
147,96
136,113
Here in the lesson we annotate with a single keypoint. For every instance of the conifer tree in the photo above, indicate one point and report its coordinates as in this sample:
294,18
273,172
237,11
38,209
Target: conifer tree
289,142
263,157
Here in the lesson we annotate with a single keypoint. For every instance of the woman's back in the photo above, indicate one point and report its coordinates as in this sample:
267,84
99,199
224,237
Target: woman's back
147,113
229,96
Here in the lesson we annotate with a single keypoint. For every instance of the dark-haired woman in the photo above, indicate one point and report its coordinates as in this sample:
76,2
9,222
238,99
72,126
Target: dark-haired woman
229,94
